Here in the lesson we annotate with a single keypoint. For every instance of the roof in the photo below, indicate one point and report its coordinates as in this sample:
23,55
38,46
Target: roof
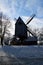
20,21
31,39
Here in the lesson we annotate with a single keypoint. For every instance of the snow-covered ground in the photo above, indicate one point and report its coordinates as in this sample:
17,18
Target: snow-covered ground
22,51
21,55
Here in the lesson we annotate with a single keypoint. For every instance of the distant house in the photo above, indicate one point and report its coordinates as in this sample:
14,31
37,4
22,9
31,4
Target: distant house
20,29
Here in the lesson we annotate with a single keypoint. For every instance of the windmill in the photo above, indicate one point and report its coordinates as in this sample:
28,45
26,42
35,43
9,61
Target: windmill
21,31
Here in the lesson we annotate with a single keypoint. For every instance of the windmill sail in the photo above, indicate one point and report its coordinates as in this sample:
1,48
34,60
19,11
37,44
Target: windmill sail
30,31
30,19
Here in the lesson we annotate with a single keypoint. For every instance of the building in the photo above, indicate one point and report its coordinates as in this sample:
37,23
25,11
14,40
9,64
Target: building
20,29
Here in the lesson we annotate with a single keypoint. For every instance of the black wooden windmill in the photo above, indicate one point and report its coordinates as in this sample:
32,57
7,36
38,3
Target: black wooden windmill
21,30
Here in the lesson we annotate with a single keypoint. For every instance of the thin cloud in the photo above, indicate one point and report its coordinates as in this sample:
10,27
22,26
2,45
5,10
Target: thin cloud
35,23
16,8
8,8
40,12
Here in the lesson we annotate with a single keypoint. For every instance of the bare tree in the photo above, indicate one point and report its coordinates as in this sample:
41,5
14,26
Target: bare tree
5,25
2,38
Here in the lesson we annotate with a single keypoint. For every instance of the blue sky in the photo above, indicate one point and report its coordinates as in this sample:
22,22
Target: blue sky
16,8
